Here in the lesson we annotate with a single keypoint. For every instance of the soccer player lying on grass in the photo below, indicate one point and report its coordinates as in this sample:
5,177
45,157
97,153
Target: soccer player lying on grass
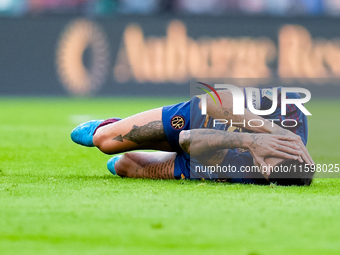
160,129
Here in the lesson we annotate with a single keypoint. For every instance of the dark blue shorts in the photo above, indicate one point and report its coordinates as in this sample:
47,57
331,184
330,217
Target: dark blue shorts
176,118
182,116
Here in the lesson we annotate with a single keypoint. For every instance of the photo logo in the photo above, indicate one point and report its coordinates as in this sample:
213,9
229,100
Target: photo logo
239,99
208,92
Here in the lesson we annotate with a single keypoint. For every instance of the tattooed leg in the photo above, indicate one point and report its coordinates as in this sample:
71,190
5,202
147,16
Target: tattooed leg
148,165
141,131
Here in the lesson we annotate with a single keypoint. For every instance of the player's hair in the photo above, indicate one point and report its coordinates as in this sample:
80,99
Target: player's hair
297,175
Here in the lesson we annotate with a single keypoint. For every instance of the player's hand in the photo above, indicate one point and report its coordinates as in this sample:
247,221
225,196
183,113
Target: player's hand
264,145
305,157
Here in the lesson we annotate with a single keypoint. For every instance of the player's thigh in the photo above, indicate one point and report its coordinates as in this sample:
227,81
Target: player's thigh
141,131
150,165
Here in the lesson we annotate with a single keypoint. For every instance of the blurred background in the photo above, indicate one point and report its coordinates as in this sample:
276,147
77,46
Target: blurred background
155,47
214,7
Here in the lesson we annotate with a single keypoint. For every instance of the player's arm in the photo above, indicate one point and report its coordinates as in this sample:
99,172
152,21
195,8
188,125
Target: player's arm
201,142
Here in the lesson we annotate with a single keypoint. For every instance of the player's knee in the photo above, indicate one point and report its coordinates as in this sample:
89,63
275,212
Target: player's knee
184,140
181,137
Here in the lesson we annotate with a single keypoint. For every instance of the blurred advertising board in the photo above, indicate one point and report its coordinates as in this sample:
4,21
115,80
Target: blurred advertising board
159,55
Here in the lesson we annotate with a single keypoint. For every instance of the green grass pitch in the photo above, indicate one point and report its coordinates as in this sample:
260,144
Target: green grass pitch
58,198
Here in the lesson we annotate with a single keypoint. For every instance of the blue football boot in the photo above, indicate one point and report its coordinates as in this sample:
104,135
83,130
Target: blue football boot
111,163
83,134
